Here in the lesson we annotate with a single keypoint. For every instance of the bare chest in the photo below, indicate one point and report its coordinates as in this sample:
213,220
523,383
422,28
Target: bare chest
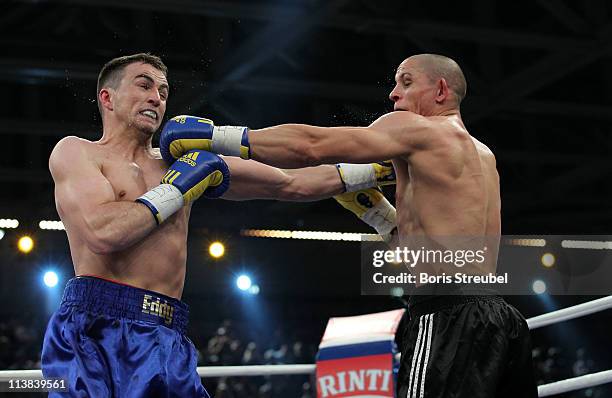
403,187
130,179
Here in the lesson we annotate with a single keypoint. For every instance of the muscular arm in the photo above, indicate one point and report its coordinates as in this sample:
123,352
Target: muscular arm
86,202
296,145
254,180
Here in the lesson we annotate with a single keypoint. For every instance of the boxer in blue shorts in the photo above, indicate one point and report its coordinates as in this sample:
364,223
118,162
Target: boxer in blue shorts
114,340
120,329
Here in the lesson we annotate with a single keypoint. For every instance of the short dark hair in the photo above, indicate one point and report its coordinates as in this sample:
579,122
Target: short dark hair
112,72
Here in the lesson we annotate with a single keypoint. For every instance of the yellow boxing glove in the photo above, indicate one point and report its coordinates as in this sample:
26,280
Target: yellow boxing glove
371,206
385,173
356,177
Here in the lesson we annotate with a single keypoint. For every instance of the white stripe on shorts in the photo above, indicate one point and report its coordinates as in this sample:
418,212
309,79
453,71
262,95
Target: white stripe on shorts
427,350
414,355
423,345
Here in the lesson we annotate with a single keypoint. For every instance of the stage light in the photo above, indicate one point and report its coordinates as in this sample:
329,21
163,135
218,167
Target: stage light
587,244
526,242
539,287
52,225
25,244
216,249
8,223
313,235
243,282
50,278
548,260
1,234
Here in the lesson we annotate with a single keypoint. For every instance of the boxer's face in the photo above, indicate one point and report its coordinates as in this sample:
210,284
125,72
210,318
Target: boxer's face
140,99
413,90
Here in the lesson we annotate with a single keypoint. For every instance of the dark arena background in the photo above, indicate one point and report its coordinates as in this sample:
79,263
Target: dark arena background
539,95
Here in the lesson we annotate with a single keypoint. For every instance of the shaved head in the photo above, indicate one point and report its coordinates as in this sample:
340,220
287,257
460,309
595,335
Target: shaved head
440,67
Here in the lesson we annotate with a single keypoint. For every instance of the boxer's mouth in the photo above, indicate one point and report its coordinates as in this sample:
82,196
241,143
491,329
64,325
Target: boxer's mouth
149,113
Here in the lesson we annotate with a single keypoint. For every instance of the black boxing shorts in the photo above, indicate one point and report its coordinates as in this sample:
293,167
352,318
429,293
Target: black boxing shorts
465,346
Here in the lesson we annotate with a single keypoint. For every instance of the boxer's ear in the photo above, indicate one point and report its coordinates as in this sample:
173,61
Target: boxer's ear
105,97
442,91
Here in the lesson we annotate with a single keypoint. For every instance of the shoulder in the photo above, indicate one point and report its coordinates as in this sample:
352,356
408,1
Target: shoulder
401,119
451,130
482,148
70,150
484,152
407,129
71,145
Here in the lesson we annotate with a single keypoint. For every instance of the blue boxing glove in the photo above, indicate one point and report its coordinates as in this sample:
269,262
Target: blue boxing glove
194,174
183,133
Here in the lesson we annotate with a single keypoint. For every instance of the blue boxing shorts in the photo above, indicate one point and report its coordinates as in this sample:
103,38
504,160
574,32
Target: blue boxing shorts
113,340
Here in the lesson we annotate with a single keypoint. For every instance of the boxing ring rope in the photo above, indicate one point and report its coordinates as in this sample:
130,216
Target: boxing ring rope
576,383
256,370
566,314
558,387
203,371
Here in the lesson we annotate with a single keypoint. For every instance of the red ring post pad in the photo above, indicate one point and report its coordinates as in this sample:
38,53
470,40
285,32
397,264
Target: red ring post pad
357,356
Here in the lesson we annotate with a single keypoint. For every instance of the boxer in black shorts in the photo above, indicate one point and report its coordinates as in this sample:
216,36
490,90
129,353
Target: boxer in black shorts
447,185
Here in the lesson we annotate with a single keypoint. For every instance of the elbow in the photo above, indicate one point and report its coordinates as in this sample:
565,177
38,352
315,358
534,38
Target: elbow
100,250
100,246
101,241
297,193
294,190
